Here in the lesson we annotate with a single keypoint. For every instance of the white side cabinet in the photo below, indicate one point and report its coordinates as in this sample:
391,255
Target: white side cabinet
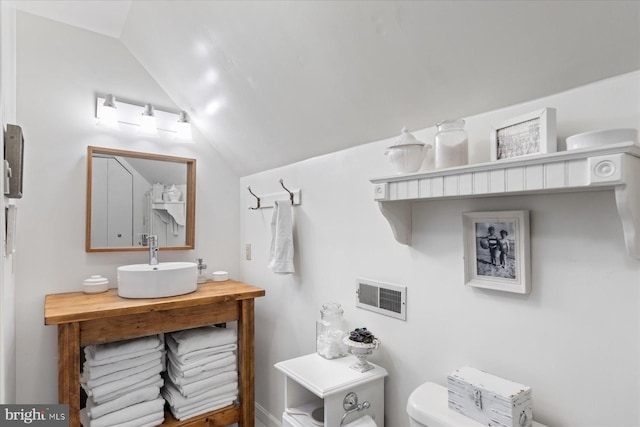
314,382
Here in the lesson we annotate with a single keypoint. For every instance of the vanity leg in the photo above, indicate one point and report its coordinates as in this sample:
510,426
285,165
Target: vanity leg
69,369
246,363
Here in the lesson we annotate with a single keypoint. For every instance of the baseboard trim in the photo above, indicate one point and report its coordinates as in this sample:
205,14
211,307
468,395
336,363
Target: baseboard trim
266,418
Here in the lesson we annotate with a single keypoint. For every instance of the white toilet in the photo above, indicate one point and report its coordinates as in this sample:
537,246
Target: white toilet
428,407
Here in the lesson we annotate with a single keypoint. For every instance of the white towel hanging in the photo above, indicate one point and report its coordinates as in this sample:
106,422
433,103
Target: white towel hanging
281,255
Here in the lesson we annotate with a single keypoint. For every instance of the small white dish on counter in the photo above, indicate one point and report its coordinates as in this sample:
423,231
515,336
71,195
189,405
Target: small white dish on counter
601,137
220,276
95,285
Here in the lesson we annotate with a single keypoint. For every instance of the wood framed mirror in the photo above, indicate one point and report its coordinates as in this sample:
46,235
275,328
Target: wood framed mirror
132,195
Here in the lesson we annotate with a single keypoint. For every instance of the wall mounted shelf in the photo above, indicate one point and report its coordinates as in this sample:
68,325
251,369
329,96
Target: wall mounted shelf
175,210
615,166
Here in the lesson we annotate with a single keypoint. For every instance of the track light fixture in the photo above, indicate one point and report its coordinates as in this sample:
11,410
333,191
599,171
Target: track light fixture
149,120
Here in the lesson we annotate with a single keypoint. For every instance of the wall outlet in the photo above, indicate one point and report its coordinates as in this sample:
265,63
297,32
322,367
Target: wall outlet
247,252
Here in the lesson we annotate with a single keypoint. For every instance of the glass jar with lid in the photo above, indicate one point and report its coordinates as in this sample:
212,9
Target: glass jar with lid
451,147
330,332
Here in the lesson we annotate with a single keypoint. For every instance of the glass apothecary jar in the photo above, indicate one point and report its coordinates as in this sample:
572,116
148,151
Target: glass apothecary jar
330,332
452,144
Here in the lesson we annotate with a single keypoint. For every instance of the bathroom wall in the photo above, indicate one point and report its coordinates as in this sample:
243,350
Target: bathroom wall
575,339
60,70
7,284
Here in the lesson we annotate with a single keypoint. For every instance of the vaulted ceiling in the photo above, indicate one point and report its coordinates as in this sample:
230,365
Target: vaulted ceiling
269,83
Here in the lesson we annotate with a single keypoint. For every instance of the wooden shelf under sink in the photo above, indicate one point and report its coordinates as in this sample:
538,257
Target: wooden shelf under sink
98,318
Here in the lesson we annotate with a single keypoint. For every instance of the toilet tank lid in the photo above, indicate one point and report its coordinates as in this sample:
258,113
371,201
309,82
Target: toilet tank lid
428,405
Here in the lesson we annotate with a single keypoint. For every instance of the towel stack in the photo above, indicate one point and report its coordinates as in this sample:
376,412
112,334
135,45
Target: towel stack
202,371
122,381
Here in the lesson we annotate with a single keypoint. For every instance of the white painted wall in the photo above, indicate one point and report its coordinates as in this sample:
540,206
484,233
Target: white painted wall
7,284
575,339
60,69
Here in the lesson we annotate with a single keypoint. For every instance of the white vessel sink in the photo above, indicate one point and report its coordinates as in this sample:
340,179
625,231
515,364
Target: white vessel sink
165,279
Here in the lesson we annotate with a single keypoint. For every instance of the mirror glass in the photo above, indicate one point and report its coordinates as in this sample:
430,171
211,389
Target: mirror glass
132,195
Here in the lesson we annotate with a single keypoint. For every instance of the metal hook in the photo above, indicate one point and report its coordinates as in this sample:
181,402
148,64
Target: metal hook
257,198
290,193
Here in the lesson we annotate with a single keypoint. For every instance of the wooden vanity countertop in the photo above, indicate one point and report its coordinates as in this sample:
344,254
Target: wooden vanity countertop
79,307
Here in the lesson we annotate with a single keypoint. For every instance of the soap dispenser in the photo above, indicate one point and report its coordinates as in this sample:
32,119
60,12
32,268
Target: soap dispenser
202,271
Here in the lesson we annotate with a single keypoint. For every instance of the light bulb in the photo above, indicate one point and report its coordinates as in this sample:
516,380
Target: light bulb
148,121
109,113
183,128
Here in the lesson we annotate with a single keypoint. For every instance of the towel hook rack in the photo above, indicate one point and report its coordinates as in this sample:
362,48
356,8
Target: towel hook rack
269,200
290,193
257,199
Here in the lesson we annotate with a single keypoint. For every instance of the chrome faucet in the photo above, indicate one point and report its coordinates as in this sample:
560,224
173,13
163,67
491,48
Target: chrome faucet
153,249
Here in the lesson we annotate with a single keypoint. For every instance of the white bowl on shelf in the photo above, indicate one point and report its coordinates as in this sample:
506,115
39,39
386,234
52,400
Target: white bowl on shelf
601,137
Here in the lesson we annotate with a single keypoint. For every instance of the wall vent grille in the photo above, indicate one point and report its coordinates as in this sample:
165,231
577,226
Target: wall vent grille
382,298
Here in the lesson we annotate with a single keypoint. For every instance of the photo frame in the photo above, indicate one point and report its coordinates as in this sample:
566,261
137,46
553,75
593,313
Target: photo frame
496,250
529,134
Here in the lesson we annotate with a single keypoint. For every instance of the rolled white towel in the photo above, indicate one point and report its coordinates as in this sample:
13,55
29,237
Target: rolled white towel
199,387
115,376
177,400
95,372
90,361
137,396
200,338
211,362
99,352
204,408
198,356
130,413
178,380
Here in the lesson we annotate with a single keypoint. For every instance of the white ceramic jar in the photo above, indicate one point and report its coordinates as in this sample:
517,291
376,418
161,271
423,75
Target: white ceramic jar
95,285
452,144
173,193
408,154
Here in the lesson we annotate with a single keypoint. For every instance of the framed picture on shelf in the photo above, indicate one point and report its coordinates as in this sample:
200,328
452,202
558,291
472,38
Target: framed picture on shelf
496,250
529,134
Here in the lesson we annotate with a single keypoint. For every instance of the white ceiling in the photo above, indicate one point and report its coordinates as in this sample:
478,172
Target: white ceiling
273,82
101,16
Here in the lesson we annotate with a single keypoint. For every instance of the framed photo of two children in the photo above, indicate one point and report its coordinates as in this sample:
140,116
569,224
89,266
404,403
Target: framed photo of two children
496,250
